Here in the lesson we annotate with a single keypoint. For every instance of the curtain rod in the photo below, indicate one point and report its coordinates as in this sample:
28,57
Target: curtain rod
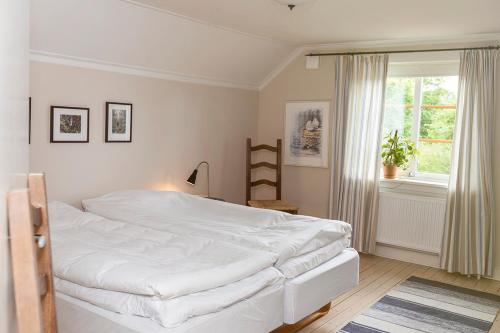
403,51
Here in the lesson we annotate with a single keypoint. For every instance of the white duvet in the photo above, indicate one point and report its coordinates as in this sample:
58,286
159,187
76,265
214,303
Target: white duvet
175,311
164,275
299,242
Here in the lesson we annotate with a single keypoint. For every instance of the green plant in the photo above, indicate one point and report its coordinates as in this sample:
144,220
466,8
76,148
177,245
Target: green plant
397,150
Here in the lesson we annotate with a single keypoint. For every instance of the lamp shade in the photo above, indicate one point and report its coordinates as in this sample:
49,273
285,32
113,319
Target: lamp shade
192,179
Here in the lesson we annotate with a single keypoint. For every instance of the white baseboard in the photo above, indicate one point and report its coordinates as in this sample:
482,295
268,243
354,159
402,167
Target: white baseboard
415,257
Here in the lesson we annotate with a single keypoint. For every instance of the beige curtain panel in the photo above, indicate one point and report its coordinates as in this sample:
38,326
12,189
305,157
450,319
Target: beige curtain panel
469,233
358,115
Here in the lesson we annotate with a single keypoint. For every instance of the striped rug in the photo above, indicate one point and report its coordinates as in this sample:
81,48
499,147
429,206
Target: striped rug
419,305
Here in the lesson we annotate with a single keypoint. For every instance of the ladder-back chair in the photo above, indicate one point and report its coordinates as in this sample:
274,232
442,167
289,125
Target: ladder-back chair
276,204
31,257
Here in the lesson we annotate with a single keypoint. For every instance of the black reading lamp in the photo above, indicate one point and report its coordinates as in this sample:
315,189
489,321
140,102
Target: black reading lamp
192,179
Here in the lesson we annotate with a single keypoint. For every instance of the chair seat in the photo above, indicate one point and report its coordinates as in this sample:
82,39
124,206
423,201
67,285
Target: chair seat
279,205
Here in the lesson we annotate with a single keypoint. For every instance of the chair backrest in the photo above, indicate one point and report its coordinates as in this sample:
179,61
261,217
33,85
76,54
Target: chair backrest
31,257
250,166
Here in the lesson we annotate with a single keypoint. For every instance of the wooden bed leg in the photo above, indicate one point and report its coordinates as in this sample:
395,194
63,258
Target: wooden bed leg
304,322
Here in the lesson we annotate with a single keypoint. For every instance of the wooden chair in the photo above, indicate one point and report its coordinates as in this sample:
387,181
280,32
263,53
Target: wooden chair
277,204
31,258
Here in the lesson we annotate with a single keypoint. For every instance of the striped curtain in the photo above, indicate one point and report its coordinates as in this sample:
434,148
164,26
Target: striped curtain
358,116
469,233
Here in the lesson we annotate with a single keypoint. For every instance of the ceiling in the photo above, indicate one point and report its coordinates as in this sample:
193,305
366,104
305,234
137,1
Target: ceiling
237,43
327,21
121,35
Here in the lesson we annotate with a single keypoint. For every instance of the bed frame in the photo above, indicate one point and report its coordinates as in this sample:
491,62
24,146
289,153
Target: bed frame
304,322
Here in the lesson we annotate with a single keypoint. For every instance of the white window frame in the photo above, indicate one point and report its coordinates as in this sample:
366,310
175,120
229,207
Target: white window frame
418,67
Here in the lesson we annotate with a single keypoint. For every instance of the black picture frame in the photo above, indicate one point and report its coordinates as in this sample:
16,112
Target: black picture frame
85,111
29,120
108,118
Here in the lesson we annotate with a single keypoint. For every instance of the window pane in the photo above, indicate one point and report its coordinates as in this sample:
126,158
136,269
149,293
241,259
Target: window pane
437,122
434,157
399,100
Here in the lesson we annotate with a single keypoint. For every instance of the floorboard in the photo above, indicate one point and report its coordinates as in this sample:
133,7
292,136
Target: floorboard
378,276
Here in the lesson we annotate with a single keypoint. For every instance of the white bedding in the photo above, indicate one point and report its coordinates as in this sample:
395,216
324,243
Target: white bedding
300,242
134,269
173,312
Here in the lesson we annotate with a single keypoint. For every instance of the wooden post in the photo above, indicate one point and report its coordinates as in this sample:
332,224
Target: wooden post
38,197
24,263
249,172
278,170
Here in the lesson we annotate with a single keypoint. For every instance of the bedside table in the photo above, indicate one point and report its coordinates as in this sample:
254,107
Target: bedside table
279,205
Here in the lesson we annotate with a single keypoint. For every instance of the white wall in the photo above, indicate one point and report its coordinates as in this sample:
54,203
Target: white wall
175,126
306,187
14,69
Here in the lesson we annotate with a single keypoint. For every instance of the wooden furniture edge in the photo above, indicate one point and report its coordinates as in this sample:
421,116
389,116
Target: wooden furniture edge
292,328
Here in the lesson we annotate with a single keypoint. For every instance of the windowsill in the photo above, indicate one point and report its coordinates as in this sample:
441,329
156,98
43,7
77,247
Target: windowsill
414,186
416,181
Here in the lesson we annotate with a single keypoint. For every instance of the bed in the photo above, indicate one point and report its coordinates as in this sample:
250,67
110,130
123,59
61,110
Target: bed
306,246
209,265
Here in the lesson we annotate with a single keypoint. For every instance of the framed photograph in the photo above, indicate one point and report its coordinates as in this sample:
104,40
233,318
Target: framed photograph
306,133
118,122
69,124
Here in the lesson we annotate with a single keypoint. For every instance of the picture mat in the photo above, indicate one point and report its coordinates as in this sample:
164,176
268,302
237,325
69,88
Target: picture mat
126,136
76,137
292,111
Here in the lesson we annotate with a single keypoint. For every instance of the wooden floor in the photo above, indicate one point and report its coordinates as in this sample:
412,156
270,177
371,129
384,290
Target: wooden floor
379,275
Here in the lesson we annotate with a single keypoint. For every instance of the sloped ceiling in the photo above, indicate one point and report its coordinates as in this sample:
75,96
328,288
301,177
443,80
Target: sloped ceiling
236,43
121,33
327,21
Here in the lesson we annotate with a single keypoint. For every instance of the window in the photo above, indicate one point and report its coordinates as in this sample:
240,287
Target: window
423,108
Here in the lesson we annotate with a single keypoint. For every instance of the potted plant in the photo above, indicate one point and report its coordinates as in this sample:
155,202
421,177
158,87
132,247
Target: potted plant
396,153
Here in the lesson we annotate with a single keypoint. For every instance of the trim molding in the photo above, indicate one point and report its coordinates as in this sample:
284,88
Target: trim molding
61,59
407,255
388,43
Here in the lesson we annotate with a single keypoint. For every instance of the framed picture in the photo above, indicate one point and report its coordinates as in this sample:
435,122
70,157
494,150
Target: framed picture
69,124
118,122
29,121
306,133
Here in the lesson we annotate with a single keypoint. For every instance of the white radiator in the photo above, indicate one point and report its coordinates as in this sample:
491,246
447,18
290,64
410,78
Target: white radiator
411,222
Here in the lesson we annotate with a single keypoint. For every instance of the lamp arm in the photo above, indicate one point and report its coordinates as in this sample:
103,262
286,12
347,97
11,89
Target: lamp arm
208,175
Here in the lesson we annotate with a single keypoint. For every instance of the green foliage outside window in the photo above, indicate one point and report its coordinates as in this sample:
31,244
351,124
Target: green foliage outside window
437,118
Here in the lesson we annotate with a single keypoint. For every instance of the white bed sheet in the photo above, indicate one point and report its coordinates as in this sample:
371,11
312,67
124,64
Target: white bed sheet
288,236
173,312
165,276
296,266
260,313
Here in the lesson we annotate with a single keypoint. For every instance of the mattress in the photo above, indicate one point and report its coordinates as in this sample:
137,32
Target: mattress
308,292
156,274
260,313
294,239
